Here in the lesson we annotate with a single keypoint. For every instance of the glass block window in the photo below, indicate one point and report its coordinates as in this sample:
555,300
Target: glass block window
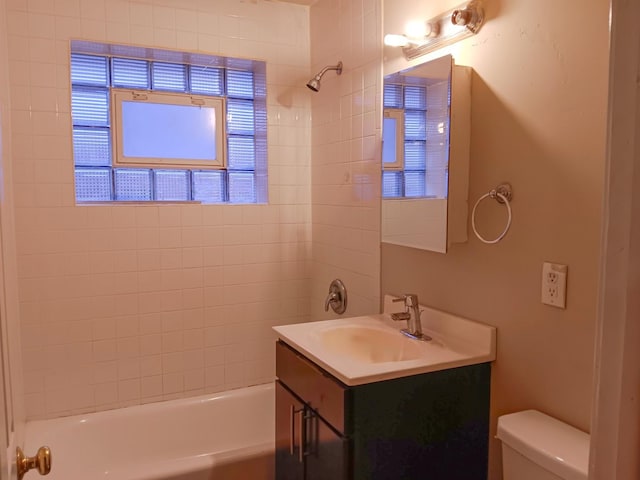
93,184
96,79
171,185
406,177
209,186
133,185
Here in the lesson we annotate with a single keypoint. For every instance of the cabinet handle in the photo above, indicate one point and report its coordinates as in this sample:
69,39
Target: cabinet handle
292,429
301,432
292,422
311,433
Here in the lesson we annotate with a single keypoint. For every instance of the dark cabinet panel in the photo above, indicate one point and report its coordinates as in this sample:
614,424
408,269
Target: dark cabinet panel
289,435
431,426
327,451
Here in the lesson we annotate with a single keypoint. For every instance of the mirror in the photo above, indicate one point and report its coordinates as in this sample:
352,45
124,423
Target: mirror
425,155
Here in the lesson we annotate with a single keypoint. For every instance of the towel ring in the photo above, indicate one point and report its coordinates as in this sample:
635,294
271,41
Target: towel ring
502,194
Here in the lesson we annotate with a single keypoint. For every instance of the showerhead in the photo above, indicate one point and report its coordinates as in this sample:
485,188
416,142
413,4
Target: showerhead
314,83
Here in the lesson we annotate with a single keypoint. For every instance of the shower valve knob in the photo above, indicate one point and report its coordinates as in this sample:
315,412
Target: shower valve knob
41,461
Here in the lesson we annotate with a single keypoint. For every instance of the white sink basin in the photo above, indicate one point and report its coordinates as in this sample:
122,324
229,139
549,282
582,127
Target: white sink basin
370,344
371,348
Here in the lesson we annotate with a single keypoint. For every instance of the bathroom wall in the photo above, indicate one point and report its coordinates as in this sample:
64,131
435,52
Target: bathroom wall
9,310
346,128
539,99
127,304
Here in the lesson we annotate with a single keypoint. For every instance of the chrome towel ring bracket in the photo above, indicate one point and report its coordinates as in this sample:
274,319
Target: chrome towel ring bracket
502,194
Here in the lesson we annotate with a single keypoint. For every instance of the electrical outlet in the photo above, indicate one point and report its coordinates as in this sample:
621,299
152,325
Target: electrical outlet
554,284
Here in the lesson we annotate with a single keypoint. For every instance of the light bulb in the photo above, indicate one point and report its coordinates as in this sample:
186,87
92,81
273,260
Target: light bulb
395,40
416,29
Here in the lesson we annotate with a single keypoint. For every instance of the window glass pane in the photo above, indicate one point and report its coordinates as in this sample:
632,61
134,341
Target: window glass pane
130,73
438,182
171,185
240,117
239,84
242,187
91,146
391,184
438,127
155,130
439,97
90,106
93,184
389,134
414,184
393,96
209,187
415,155
415,124
415,97
241,154
89,70
208,81
133,185
169,76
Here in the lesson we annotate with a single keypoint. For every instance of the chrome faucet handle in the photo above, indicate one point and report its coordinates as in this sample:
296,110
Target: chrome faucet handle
336,298
409,299
401,316
331,299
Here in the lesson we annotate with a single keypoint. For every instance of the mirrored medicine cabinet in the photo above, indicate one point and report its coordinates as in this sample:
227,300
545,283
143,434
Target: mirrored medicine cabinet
425,155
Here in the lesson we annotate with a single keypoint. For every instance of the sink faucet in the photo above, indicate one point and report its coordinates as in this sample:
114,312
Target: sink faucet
412,316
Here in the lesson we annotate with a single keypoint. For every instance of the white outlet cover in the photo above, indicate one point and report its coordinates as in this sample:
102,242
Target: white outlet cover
554,284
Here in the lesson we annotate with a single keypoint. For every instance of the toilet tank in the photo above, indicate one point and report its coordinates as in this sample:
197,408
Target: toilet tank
536,446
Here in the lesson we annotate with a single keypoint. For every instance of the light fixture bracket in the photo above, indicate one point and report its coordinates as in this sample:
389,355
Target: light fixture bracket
454,25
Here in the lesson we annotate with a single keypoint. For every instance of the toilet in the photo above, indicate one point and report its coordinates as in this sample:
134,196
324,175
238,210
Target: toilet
536,446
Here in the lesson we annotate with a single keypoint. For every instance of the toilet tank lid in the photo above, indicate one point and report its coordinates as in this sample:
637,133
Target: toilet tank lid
548,442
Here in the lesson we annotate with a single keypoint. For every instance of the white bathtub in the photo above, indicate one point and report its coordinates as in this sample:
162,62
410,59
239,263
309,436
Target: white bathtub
223,436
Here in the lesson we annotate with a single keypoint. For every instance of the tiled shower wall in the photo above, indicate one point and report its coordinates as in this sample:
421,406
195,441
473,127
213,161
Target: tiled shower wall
345,152
129,304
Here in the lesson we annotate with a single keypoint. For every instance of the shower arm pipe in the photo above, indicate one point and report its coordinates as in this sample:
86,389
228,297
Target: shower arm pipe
337,68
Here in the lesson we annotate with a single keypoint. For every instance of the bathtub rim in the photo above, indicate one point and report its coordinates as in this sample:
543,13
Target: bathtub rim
149,408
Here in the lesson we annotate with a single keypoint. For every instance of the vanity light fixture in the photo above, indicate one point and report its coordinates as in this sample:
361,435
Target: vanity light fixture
417,34
445,29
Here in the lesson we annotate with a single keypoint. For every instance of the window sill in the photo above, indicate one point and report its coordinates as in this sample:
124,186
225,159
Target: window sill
154,202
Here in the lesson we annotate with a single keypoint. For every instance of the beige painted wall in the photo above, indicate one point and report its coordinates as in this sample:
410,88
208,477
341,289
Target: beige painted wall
539,97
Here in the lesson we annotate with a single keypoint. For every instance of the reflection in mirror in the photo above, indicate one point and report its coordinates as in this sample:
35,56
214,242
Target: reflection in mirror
425,155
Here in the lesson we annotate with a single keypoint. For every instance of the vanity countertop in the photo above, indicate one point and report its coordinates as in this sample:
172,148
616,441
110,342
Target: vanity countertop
371,348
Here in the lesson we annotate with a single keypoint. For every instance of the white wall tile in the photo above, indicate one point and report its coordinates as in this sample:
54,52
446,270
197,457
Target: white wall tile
155,292
117,11
352,164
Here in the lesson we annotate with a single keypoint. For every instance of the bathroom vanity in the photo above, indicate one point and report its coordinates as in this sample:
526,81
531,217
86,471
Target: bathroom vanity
355,399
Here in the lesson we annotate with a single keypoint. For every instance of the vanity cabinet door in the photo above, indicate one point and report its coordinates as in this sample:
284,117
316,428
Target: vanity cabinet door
290,424
327,451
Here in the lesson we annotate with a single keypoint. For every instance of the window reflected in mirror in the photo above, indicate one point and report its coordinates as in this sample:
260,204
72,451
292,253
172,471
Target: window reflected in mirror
418,150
